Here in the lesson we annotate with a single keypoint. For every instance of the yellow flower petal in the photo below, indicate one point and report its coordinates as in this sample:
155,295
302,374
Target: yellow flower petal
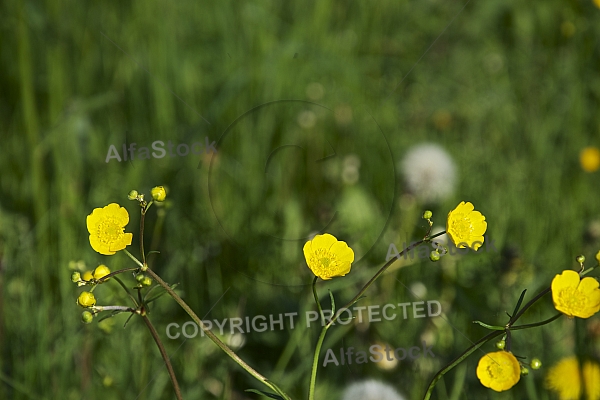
327,257
466,227
499,371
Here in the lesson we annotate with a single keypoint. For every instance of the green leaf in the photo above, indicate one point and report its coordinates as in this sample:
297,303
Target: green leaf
112,314
332,303
173,286
519,303
270,395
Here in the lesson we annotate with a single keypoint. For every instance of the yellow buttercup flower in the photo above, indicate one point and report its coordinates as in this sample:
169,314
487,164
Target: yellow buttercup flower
106,227
86,299
327,257
591,380
574,297
466,226
565,379
499,371
589,158
101,271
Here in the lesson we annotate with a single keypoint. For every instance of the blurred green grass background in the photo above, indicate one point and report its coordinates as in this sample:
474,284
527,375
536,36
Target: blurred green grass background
510,89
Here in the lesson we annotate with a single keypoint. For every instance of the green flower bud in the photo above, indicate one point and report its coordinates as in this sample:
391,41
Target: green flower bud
75,276
140,277
87,317
133,195
536,363
434,256
159,193
580,259
147,281
500,344
524,370
427,214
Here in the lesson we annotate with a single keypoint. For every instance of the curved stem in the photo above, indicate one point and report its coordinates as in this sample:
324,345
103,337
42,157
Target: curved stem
458,360
164,355
214,338
107,277
315,366
142,218
133,258
314,289
547,321
377,275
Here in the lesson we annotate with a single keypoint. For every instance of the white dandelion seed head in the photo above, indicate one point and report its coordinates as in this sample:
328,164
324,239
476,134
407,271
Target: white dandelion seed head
429,172
371,390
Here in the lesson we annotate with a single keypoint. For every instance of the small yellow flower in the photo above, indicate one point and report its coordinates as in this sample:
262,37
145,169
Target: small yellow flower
597,3
564,378
159,193
106,227
591,380
589,158
466,226
88,276
86,299
499,371
327,257
101,271
574,297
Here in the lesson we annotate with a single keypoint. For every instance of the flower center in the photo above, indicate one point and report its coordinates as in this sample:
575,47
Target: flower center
572,299
109,231
324,260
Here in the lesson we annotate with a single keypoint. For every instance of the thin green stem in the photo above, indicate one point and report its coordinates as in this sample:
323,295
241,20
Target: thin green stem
142,219
107,277
133,258
164,355
314,289
213,337
527,326
377,275
315,365
458,360
114,308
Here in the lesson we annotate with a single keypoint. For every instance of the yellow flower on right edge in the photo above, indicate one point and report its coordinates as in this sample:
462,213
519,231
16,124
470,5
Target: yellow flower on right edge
565,379
575,297
499,371
466,226
589,158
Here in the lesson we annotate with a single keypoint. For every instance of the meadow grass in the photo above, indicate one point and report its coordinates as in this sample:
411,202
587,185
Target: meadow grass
510,89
